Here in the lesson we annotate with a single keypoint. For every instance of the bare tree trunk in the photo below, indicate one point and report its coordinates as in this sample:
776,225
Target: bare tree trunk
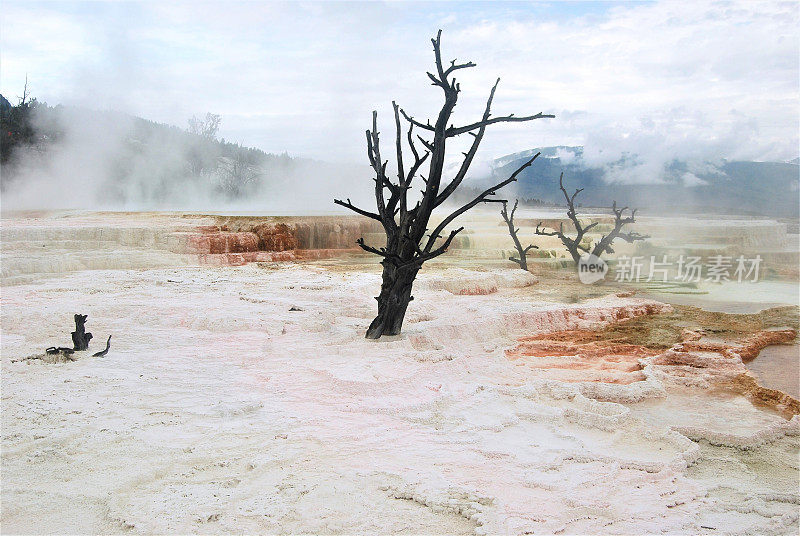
393,300
576,255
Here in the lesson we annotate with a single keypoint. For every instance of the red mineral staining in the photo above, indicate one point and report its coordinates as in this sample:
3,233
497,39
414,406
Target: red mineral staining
275,237
747,350
239,242
478,290
215,241
581,356
586,356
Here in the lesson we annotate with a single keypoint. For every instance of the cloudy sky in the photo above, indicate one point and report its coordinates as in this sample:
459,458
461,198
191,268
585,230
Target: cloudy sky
662,79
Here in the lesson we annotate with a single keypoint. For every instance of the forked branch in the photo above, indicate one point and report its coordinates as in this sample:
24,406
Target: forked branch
620,220
483,197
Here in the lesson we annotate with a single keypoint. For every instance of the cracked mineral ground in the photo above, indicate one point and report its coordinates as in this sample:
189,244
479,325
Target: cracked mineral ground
239,394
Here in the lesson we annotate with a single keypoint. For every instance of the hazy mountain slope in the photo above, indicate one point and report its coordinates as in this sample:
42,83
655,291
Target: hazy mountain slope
69,157
73,157
768,188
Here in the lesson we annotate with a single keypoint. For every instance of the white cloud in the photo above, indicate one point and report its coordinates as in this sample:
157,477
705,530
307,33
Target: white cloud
565,156
690,179
661,80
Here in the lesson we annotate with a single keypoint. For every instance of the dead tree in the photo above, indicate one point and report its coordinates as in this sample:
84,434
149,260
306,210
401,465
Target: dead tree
80,339
575,245
409,243
205,128
522,252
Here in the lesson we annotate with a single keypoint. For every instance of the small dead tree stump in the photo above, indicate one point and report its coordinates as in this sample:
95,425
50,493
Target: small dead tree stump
80,339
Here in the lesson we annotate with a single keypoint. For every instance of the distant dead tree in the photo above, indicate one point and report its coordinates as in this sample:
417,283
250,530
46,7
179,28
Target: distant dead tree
206,128
575,245
237,174
25,93
199,152
407,244
512,230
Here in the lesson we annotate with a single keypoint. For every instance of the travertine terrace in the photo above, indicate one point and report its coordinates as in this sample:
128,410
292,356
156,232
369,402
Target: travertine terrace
239,394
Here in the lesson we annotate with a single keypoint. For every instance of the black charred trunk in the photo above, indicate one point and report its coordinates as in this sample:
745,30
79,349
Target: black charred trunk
80,339
393,300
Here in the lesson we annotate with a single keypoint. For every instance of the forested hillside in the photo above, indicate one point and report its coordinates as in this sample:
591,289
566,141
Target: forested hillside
119,160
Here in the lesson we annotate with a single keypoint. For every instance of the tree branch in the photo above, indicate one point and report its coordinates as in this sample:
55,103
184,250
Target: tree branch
417,123
456,131
382,251
469,155
348,204
401,174
454,67
428,255
542,232
479,199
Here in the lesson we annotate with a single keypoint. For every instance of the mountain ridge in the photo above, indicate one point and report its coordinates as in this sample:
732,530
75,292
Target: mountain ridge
740,187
